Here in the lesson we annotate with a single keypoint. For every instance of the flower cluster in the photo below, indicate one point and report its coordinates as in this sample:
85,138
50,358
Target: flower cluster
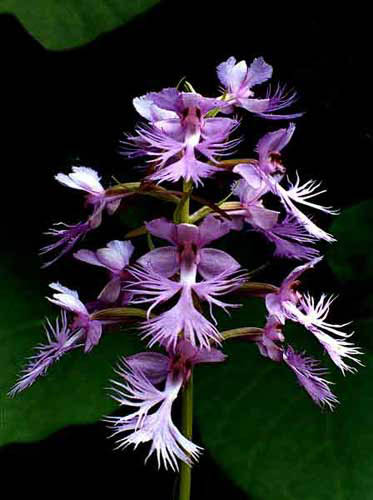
173,290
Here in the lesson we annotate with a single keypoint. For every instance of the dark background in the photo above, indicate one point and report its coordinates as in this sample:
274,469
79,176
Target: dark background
60,108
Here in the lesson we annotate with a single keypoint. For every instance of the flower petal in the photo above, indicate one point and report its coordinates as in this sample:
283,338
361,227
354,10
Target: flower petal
163,229
153,365
162,260
214,262
111,291
274,142
212,229
310,377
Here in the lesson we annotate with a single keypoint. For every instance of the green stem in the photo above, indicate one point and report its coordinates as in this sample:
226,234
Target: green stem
187,395
187,430
184,210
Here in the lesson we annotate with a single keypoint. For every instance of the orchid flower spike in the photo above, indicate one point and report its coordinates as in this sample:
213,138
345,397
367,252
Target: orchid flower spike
170,292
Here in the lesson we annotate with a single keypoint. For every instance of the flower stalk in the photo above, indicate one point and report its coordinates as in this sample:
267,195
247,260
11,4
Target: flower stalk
185,478
187,429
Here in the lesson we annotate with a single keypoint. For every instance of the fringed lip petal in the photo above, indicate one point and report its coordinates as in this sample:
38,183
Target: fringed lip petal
166,328
67,238
311,377
291,240
60,340
151,421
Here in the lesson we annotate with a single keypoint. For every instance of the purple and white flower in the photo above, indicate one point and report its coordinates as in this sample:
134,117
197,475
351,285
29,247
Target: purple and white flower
83,179
290,238
307,370
188,256
289,304
182,141
238,80
266,174
186,136
151,420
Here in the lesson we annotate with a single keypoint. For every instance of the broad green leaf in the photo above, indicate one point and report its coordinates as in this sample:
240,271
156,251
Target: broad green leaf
273,441
74,391
351,257
69,23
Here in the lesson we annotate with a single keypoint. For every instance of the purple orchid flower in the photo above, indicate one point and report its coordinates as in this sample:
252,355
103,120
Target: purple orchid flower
238,80
180,138
290,304
115,258
60,340
152,419
188,255
289,236
266,174
69,300
307,370
88,180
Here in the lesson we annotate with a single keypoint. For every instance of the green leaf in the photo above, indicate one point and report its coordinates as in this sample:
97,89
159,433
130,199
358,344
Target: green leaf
74,391
69,23
273,441
351,258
